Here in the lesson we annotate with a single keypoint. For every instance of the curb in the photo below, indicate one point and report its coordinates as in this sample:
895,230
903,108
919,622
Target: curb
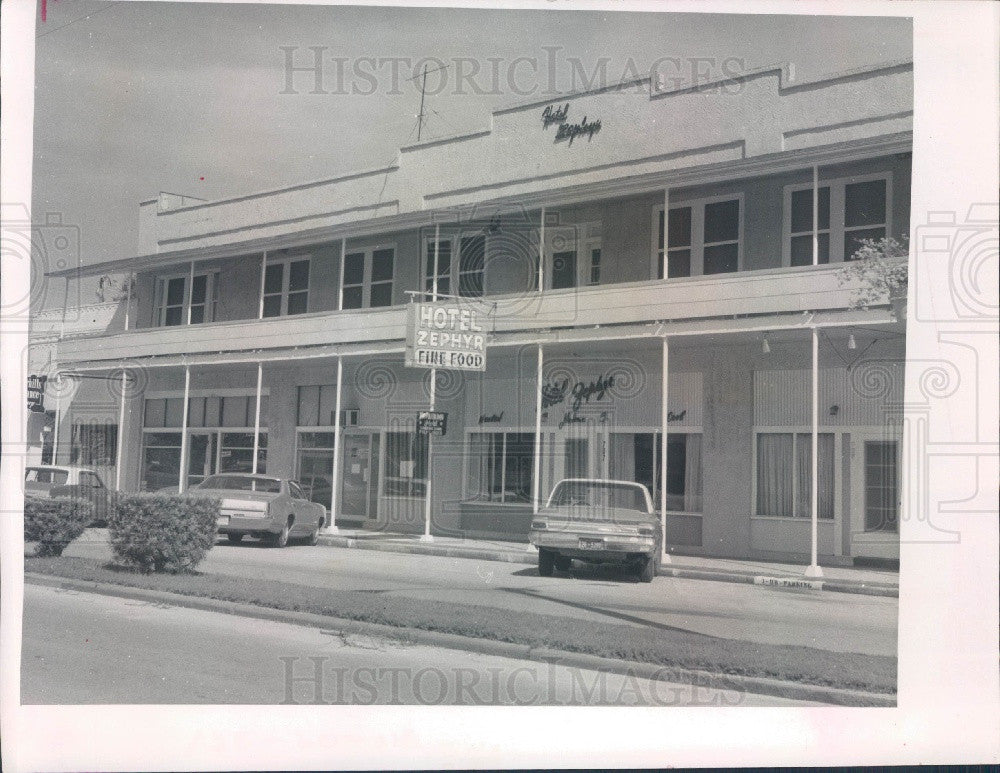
506,556
734,682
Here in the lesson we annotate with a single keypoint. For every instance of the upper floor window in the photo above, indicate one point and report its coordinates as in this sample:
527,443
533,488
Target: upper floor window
286,287
573,255
368,277
704,237
175,295
467,274
849,210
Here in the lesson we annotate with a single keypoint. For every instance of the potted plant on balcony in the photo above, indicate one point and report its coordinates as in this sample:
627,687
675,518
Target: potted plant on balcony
878,273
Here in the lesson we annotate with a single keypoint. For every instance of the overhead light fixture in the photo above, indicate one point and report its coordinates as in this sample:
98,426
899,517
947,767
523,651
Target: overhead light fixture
851,343
765,347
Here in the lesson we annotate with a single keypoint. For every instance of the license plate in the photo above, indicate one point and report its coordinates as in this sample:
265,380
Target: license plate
223,520
591,544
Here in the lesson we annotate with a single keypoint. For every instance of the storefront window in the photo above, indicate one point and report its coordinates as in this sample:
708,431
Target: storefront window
500,466
405,464
236,452
161,460
94,444
784,474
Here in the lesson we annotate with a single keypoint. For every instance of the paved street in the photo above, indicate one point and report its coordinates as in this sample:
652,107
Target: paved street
831,621
86,648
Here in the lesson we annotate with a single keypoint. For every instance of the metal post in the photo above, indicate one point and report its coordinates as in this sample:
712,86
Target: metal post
128,296
335,492
182,473
666,234
426,536
263,273
340,283
814,570
664,422
256,416
190,291
121,433
541,252
537,472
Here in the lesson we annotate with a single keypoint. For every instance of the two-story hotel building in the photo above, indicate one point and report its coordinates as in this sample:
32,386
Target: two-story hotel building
660,272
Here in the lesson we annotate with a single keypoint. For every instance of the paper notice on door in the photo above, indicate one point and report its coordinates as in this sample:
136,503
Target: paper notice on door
355,469
406,469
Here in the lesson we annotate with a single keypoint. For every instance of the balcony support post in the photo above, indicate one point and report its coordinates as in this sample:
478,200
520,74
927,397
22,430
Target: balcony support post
536,495
337,466
666,233
340,281
256,416
121,432
129,279
541,252
182,473
814,570
263,274
190,291
58,419
664,421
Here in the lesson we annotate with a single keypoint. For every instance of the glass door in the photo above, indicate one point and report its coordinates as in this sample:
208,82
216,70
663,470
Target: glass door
355,495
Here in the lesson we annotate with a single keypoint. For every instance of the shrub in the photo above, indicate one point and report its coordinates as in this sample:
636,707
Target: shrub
157,533
54,523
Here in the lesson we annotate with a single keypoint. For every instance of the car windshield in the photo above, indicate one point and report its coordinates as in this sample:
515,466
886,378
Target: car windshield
241,483
42,475
599,495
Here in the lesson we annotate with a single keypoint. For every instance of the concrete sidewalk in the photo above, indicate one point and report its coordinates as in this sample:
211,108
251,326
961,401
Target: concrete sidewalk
868,581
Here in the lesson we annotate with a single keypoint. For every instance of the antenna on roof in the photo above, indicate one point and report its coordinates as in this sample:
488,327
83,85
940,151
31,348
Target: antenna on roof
423,91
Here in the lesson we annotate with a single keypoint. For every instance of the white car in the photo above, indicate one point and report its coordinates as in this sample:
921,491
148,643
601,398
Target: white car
598,521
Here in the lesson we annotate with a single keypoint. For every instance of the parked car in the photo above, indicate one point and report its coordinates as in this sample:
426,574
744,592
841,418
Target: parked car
69,482
272,509
598,521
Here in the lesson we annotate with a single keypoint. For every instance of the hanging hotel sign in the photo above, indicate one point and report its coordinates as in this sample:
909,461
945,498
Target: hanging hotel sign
445,335
432,423
36,394
559,116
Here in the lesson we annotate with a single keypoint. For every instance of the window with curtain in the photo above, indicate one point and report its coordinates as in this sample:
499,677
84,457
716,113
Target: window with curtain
784,474
94,443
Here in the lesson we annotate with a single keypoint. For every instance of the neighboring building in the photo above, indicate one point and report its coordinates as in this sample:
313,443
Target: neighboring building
85,407
313,280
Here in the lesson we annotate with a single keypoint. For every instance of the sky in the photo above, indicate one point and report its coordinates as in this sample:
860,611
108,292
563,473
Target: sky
134,98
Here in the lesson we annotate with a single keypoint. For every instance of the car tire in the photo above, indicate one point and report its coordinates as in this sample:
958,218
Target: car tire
314,535
563,563
647,569
280,539
236,539
546,562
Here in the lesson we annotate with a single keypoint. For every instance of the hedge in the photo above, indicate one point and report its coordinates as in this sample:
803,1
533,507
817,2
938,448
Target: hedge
54,523
158,533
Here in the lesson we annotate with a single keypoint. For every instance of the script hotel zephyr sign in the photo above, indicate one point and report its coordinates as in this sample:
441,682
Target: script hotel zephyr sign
445,335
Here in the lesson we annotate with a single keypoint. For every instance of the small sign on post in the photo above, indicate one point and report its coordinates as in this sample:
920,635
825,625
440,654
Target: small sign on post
445,335
432,423
36,394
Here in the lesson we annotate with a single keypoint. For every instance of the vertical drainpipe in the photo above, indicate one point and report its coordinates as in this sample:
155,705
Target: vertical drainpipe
814,570
256,416
666,233
190,291
426,536
182,473
340,282
128,296
337,467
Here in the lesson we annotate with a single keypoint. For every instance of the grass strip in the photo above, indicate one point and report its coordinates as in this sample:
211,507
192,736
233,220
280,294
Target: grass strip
808,665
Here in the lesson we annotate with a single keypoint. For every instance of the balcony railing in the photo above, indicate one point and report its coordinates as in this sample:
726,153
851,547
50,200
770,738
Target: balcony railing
745,293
